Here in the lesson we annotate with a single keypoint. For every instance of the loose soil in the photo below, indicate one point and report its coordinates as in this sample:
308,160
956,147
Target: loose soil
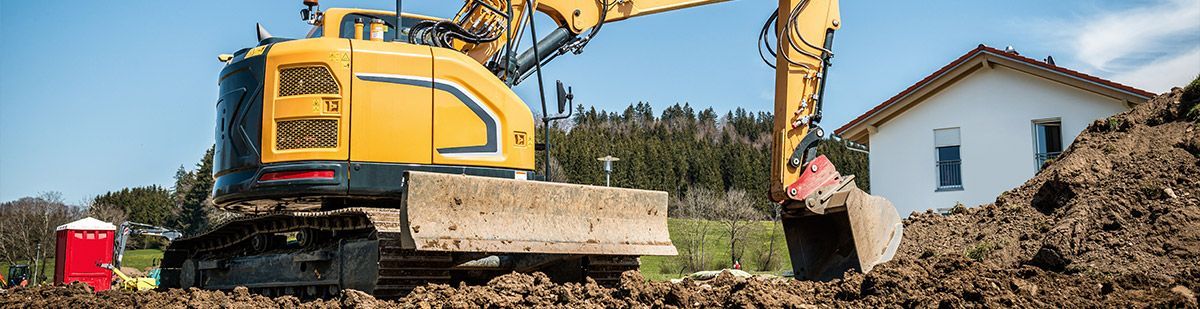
1113,222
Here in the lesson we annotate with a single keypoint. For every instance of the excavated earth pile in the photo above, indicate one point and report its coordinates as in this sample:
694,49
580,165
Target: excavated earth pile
1113,222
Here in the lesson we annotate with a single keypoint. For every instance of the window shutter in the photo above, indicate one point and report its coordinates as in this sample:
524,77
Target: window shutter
946,137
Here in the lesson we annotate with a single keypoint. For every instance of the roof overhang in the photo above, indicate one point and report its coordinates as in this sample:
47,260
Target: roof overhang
981,58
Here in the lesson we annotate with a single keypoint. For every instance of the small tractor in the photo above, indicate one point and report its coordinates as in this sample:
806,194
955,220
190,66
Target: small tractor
18,275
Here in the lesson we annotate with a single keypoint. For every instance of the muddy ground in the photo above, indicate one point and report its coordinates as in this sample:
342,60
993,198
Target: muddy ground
1114,222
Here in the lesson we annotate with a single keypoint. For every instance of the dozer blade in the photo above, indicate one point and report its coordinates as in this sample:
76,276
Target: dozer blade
838,228
445,212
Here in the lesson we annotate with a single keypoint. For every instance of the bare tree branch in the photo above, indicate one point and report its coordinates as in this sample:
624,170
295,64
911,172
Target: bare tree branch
736,211
28,221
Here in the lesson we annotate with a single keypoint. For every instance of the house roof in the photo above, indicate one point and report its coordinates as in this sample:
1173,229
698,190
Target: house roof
855,129
88,224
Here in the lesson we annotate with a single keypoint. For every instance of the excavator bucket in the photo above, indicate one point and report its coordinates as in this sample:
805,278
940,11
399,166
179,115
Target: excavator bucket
839,227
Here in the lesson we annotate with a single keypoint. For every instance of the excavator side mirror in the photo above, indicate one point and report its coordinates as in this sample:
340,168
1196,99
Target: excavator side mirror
311,12
565,98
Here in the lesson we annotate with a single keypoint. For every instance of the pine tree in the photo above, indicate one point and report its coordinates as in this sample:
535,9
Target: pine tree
150,204
682,149
183,183
194,210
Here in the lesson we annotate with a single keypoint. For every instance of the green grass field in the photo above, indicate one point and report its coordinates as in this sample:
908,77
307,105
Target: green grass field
716,247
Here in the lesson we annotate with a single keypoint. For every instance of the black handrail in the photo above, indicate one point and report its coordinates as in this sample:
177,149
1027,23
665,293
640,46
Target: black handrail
949,174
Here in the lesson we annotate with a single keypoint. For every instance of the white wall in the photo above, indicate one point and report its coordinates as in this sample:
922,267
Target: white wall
994,109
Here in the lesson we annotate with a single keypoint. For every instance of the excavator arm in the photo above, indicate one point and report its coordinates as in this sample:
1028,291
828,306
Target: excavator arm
578,16
831,225
803,33
133,228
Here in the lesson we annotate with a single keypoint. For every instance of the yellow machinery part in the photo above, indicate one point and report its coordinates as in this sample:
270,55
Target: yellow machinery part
419,105
135,283
455,125
391,122
796,86
320,54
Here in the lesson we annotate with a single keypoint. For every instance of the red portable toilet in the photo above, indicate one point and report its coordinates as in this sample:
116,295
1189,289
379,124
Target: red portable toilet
82,246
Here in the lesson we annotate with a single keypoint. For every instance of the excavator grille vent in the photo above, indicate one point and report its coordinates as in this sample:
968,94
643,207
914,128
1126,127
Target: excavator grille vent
306,80
306,134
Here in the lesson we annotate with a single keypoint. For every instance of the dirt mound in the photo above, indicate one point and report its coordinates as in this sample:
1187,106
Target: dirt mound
1114,222
1117,216
79,295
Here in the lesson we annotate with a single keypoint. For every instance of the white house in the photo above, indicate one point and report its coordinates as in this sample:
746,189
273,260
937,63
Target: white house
979,126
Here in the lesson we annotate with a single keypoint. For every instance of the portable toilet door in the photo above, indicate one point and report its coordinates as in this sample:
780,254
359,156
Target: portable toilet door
81,247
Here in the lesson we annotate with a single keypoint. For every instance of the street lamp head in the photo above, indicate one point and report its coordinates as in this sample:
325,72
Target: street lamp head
608,158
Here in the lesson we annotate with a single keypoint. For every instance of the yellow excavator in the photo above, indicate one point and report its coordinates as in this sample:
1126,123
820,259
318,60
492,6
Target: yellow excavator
387,150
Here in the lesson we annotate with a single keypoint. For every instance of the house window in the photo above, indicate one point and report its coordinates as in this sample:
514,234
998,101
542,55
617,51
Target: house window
1047,141
946,144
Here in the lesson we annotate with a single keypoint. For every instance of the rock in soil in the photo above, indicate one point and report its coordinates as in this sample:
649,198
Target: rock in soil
1113,222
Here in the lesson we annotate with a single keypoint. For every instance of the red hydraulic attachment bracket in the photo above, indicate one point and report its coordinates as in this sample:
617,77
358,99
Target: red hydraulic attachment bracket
817,174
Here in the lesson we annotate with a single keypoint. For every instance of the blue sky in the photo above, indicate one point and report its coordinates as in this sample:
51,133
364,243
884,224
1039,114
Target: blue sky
100,95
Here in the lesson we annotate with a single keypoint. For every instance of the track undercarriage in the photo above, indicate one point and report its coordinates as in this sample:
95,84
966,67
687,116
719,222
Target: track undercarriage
438,228
318,254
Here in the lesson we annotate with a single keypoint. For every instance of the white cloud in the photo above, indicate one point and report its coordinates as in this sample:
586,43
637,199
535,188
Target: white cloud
1161,75
1104,40
1152,46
